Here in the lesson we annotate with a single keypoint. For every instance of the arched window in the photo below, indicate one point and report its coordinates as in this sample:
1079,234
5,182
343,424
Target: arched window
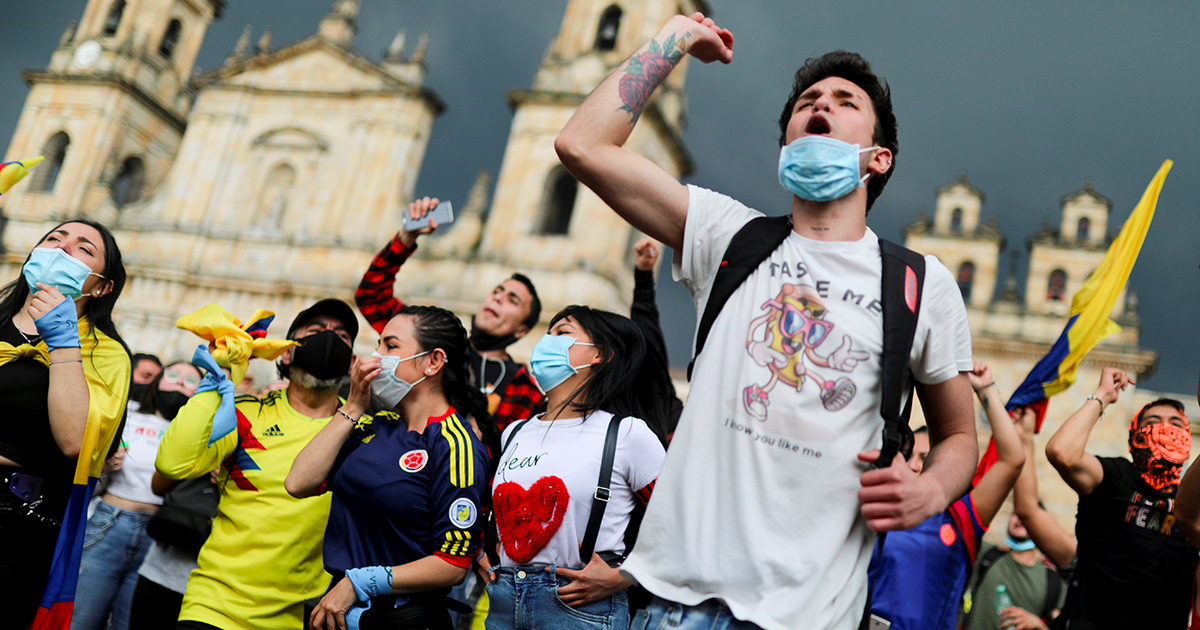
114,17
956,221
129,183
170,38
966,279
1056,288
1081,232
46,173
610,25
273,201
558,202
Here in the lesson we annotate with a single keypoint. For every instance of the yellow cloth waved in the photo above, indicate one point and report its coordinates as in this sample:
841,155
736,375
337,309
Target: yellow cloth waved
39,353
233,345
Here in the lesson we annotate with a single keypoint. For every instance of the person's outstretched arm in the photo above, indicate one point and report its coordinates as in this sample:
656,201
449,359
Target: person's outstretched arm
1056,543
993,488
375,295
590,145
1067,449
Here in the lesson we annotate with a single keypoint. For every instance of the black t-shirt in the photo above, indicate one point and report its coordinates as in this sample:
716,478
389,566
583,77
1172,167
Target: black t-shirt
1135,567
25,435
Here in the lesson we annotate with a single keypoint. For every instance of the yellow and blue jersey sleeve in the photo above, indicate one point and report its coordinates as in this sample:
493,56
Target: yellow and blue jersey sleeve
184,452
458,489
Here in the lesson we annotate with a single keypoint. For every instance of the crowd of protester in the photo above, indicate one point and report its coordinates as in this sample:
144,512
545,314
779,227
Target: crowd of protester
438,483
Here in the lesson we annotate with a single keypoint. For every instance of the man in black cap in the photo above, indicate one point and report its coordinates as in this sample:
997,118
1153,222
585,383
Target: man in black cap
263,558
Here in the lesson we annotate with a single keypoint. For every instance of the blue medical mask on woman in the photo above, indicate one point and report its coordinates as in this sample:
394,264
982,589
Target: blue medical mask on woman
389,388
57,268
550,361
818,168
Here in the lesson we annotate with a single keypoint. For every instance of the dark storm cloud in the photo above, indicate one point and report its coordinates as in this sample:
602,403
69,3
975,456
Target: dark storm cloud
1030,99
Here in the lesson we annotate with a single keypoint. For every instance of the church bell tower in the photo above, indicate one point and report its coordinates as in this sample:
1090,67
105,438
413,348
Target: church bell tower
108,112
542,221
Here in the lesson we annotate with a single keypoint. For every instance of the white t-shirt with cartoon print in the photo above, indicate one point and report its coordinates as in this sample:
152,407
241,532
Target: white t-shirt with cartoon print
543,489
757,502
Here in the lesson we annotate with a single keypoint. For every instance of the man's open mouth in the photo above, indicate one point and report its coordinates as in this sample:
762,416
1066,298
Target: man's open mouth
817,126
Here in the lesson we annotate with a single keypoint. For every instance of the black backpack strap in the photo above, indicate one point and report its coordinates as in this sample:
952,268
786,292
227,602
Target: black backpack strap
511,436
603,492
752,244
903,281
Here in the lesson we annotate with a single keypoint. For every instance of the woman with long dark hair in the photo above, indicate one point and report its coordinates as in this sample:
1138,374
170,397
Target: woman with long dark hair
64,375
407,483
593,368
116,542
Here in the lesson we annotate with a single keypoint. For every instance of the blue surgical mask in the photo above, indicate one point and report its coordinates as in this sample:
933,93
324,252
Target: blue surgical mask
818,168
1024,545
55,267
389,388
551,363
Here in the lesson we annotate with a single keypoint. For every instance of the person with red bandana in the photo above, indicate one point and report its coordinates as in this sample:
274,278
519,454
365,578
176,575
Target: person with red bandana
1136,566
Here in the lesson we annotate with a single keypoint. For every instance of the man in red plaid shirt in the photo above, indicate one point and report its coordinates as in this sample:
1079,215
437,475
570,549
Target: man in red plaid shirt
504,316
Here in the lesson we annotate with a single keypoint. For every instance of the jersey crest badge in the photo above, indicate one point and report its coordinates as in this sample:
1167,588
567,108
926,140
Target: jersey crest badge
414,461
463,513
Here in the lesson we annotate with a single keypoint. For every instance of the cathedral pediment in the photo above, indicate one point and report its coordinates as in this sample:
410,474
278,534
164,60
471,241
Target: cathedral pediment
309,66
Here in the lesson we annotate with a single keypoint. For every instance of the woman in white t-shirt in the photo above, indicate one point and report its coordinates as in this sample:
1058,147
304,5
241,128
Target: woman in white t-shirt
591,364
115,542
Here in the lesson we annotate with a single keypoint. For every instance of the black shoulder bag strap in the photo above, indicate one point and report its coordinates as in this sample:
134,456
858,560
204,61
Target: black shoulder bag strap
511,437
752,244
902,281
603,492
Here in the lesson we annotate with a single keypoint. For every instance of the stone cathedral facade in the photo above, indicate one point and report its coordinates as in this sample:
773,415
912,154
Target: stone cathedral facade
272,180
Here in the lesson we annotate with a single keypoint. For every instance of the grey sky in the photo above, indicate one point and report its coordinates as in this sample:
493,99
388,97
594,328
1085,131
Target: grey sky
1030,99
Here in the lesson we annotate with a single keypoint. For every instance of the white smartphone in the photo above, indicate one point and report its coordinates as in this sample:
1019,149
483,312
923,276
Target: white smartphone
443,214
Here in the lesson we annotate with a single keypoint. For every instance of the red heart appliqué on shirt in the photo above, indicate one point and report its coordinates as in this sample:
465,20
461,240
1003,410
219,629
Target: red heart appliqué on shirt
528,519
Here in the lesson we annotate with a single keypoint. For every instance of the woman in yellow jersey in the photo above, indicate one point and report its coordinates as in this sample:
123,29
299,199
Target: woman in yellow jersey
407,484
64,375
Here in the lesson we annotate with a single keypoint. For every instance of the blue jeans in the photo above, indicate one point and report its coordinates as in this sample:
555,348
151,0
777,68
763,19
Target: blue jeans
114,546
708,615
526,598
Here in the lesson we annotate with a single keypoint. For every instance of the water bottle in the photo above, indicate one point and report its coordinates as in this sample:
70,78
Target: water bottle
1002,599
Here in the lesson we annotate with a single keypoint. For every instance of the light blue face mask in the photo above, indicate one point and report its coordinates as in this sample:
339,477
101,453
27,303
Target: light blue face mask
389,388
57,268
550,361
818,168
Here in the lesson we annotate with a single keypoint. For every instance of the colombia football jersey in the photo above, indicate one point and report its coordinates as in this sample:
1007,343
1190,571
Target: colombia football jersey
401,495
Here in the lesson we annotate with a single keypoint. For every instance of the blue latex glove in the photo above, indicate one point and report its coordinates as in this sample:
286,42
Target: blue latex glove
369,583
225,420
59,327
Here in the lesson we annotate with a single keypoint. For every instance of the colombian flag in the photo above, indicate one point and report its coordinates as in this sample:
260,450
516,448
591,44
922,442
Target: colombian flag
107,370
1089,321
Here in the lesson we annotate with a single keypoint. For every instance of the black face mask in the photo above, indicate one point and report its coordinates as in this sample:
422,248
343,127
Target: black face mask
324,355
137,390
484,342
168,404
